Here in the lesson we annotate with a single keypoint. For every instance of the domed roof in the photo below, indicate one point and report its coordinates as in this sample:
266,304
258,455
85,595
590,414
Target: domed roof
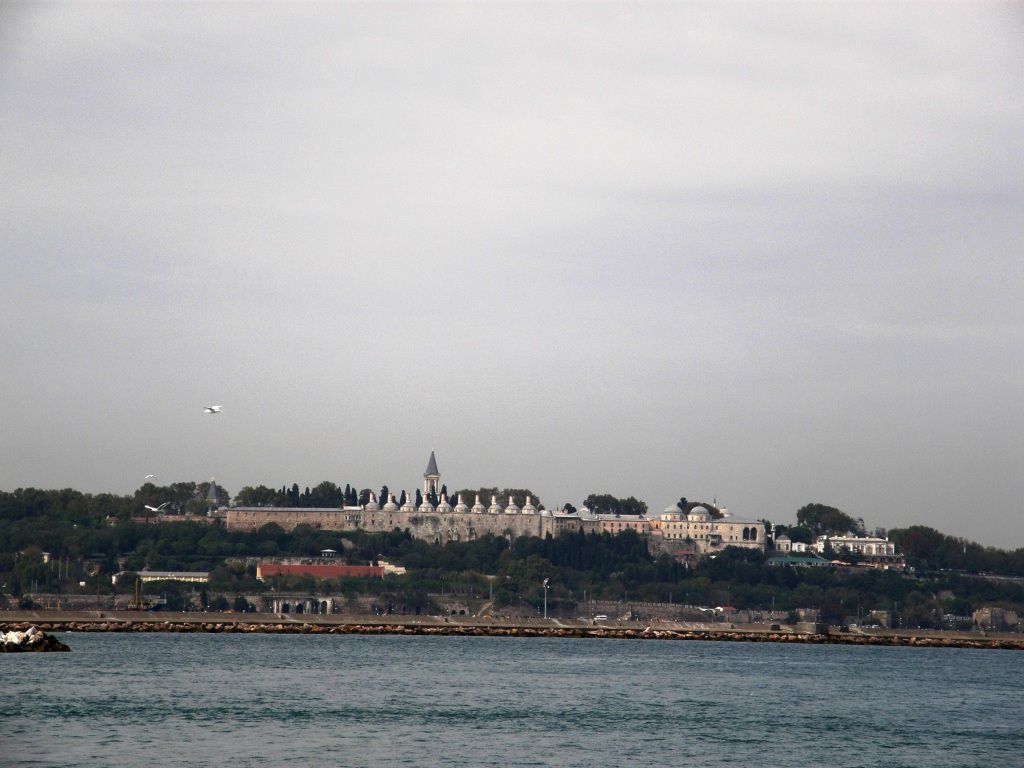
409,505
495,508
512,508
478,508
391,506
528,508
372,505
443,505
699,513
461,506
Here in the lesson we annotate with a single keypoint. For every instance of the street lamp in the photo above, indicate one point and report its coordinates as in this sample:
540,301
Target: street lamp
546,588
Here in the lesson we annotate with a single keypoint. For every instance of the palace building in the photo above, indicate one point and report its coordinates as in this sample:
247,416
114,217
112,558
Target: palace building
440,524
698,530
706,533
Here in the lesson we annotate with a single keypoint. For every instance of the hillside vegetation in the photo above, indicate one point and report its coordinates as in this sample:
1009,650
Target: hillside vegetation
90,537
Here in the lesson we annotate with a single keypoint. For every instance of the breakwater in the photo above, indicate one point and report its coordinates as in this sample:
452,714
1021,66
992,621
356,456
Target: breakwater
376,627
29,640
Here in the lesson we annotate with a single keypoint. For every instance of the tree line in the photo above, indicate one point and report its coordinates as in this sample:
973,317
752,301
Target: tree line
88,537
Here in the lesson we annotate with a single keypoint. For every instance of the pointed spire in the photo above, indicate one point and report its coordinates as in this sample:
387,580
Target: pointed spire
431,466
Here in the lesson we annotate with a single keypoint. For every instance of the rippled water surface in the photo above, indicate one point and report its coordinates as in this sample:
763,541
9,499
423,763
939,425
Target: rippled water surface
274,700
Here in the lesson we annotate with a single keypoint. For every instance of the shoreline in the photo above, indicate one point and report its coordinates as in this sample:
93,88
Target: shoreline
270,623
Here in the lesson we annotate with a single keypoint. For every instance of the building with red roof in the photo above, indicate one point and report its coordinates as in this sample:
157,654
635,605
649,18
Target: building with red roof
319,571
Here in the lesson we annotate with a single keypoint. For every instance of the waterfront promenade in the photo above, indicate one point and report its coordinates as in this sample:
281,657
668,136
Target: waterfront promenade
228,623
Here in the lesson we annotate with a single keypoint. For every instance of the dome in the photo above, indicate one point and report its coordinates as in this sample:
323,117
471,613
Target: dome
391,506
443,505
409,505
372,505
528,508
461,506
478,508
426,506
511,509
699,513
495,508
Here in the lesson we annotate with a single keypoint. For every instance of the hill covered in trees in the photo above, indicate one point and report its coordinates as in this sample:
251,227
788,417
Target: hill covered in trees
90,537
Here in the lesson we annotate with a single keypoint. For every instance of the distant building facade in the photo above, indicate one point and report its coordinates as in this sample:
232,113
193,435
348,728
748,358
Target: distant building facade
192,577
874,551
996,618
687,536
704,532
265,571
439,524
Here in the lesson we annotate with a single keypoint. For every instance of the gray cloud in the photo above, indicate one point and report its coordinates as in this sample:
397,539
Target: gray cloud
768,254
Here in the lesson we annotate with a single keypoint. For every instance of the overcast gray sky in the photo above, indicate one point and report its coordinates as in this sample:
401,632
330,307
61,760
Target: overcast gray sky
768,254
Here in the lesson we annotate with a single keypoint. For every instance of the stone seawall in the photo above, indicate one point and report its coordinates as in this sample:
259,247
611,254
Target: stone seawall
512,630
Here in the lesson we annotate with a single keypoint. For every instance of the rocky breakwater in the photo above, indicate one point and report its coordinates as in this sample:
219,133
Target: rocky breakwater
413,627
29,640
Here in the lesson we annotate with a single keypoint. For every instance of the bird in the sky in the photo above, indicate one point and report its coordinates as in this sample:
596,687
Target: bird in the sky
157,509
214,408
151,477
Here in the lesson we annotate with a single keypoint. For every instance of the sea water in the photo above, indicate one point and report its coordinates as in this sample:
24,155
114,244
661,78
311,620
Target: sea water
345,700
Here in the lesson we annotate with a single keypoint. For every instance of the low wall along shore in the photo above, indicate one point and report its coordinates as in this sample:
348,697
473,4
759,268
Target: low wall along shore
125,621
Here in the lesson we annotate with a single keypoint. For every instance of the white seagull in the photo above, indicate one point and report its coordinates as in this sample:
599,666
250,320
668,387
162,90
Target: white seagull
214,408
157,509
151,477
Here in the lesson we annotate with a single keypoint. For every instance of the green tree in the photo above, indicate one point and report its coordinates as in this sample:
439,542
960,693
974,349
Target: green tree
241,605
219,603
821,519
326,494
604,503
796,533
260,496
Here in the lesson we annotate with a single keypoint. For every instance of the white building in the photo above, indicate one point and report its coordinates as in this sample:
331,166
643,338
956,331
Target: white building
875,551
868,546
709,534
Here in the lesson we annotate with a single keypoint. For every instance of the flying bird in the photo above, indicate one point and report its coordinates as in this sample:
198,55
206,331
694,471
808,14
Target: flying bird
214,408
151,477
157,509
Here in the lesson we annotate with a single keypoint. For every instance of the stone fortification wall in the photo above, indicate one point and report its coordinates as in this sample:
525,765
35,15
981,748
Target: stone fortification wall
437,527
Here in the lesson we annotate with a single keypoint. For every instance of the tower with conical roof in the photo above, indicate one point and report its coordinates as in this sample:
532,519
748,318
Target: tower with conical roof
212,497
431,478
